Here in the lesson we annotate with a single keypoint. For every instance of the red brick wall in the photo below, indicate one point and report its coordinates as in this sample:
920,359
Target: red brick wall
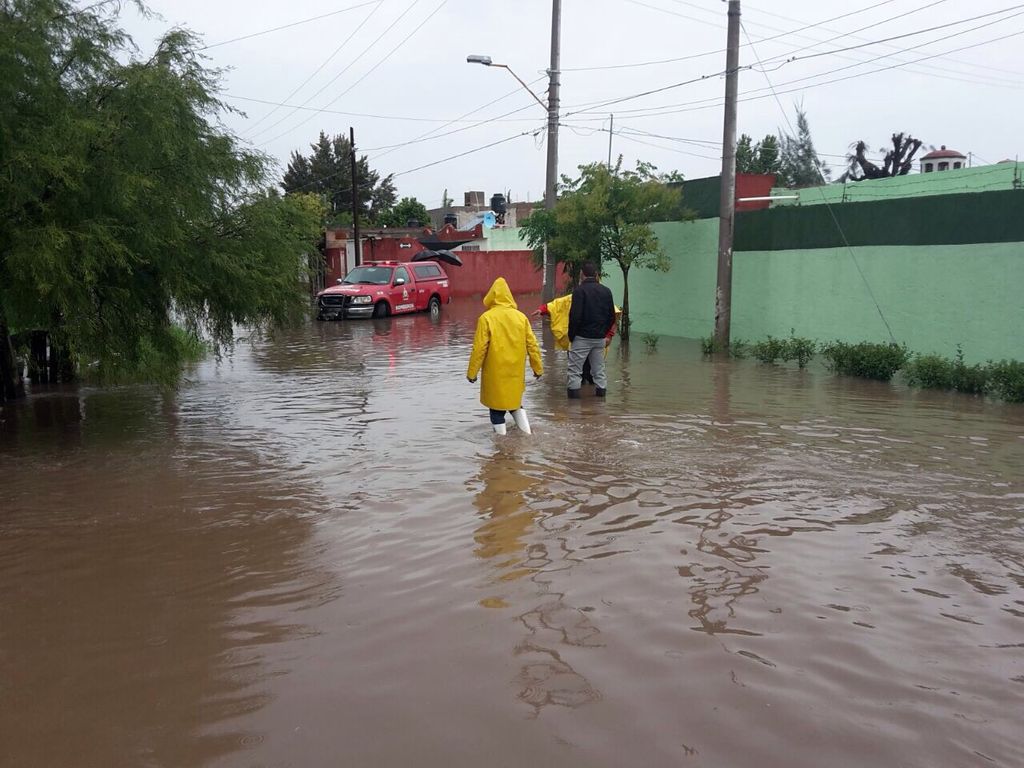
480,268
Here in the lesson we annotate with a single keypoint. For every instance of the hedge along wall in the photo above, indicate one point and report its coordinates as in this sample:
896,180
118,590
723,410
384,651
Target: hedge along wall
790,272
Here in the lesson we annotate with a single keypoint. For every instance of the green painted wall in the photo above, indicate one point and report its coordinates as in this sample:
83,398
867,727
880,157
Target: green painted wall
505,240
987,178
934,297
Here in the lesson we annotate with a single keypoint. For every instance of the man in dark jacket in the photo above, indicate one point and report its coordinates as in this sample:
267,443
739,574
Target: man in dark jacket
591,316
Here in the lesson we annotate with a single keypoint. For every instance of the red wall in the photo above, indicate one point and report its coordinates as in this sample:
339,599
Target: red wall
480,268
754,185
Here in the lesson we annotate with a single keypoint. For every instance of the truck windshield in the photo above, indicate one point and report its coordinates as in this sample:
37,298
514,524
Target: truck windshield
368,276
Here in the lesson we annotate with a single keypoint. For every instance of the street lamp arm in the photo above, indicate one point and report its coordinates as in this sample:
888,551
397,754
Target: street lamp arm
517,77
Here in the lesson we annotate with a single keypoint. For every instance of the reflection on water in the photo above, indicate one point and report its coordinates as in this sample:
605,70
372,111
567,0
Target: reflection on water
317,547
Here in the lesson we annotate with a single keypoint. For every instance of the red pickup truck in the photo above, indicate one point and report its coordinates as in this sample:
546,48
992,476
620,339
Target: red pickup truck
382,288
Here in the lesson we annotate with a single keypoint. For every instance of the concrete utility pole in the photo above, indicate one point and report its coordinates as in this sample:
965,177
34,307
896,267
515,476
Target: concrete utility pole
355,195
727,202
551,185
611,133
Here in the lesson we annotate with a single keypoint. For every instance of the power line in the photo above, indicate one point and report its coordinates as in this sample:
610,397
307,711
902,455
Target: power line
287,26
903,36
331,82
597,105
671,109
722,50
986,67
931,71
369,115
534,132
426,135
315,72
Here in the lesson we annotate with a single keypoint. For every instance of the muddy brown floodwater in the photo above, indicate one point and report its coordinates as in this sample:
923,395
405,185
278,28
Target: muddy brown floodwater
316,553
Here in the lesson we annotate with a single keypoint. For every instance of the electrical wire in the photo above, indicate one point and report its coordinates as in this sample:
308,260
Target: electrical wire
287,26
368,72
722,50
420,140
426,135
316,71
701,104
469,152
986,67
902,36
373,116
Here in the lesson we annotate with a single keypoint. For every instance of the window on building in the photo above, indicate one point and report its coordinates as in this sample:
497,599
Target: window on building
471,247
944,166
957,164
928,167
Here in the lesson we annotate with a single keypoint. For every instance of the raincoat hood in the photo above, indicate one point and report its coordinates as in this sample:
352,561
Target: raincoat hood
500,295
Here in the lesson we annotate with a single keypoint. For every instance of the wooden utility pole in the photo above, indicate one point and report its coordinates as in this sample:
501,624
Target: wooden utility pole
727,202
551,184
355,194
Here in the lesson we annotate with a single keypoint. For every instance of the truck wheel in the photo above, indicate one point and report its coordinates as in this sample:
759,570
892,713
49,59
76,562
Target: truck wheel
381,309
434,307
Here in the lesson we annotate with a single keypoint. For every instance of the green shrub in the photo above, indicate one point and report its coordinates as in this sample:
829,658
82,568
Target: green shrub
769,350
929,372
799,349
866,359
738,348
650,340
1006,380
937,372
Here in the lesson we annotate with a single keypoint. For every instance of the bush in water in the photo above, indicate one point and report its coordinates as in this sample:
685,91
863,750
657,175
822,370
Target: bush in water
866,359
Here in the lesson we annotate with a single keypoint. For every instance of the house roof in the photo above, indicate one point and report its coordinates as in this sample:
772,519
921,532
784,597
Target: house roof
938,154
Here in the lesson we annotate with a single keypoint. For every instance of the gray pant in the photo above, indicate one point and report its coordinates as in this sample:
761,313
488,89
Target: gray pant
580,350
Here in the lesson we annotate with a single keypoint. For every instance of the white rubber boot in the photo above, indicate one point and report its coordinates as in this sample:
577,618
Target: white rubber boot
500,429
521,421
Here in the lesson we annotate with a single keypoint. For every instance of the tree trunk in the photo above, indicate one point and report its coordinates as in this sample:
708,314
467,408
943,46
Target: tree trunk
38,362
624,323
12,386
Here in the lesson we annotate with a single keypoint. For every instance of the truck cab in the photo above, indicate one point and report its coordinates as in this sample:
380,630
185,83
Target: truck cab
383,288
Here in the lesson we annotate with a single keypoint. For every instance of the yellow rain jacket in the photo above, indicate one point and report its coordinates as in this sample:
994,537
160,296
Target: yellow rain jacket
502,341
558,311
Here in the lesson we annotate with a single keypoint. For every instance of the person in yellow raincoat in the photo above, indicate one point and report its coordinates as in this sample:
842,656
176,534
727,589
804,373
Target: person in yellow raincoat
502,342
557,310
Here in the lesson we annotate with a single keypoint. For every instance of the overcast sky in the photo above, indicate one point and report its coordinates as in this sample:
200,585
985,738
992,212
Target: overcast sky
398,67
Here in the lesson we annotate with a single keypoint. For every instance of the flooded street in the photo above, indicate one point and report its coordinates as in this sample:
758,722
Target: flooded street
316,553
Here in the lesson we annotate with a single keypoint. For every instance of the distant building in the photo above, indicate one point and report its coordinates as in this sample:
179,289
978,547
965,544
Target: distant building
476,209
943,160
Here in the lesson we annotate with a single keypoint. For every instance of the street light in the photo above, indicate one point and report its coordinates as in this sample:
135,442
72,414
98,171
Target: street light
551,181
486,61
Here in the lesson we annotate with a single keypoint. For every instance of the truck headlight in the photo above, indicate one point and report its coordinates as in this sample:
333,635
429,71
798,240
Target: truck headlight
360,299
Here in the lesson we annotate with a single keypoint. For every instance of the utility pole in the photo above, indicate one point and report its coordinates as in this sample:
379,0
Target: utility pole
355,194
727,202
551,184
611,132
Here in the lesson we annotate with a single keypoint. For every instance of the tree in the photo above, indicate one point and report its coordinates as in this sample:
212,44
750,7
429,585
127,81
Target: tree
126,209
762,157
899,160
605,215
406,210
799,164
327,172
